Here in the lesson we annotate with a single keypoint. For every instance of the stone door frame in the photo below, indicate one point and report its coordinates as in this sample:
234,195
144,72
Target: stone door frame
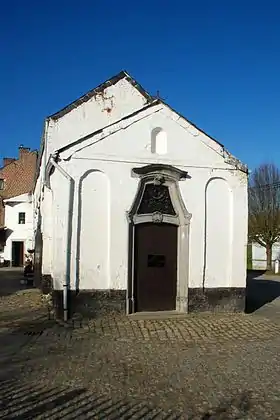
169,176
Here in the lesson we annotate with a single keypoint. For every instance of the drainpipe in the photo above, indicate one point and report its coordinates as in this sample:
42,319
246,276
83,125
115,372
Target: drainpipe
66,285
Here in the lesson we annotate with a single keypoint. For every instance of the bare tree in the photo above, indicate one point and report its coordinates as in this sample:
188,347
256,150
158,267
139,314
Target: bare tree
264,208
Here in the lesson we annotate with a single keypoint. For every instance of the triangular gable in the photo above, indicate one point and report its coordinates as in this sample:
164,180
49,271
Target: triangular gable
151,102
99,89
112,81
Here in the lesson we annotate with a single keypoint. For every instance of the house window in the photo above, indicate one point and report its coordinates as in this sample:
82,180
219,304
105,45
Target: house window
21,218
1,184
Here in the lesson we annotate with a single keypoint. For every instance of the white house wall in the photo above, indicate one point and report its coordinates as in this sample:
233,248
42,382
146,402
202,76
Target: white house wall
259,255
16,231
102,257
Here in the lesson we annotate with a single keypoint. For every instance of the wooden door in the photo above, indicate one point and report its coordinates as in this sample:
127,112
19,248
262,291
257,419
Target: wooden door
17,253
155,267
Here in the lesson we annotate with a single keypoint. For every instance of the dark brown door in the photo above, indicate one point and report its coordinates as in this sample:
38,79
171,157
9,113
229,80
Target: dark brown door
17,253
155,267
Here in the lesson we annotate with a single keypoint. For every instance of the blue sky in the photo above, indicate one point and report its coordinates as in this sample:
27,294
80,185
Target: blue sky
217,62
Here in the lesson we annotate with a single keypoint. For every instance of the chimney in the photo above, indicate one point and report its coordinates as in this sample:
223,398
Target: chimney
7,160
23,151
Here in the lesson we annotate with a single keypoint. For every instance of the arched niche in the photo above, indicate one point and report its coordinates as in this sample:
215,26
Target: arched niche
158,141
218,247
93,231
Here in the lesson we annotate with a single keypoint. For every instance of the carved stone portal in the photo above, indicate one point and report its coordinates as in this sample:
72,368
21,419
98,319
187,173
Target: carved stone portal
156,198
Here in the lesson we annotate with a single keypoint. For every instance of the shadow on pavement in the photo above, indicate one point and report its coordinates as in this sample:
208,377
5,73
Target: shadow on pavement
10,291
253,274
235,409
260,291
10,281
27,401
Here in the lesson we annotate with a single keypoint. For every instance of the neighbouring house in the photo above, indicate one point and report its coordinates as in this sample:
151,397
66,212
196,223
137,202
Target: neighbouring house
137,209
258,255
17,178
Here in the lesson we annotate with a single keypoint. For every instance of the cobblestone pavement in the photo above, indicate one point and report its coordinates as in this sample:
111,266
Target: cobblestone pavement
209,366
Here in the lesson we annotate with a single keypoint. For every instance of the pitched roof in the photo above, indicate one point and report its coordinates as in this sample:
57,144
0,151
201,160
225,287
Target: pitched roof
19,178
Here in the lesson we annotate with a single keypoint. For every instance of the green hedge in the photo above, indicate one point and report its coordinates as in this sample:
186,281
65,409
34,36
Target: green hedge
249,257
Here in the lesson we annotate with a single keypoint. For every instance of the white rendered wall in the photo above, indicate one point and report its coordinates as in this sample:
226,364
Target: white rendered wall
16,231
101,226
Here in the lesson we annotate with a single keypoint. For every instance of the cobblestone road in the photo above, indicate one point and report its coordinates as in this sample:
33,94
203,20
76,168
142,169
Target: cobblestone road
198,367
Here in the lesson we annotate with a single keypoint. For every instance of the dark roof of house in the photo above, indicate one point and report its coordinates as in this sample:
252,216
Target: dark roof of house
99,89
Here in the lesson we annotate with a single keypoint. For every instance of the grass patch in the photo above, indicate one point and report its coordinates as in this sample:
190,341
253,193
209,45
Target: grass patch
271,273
